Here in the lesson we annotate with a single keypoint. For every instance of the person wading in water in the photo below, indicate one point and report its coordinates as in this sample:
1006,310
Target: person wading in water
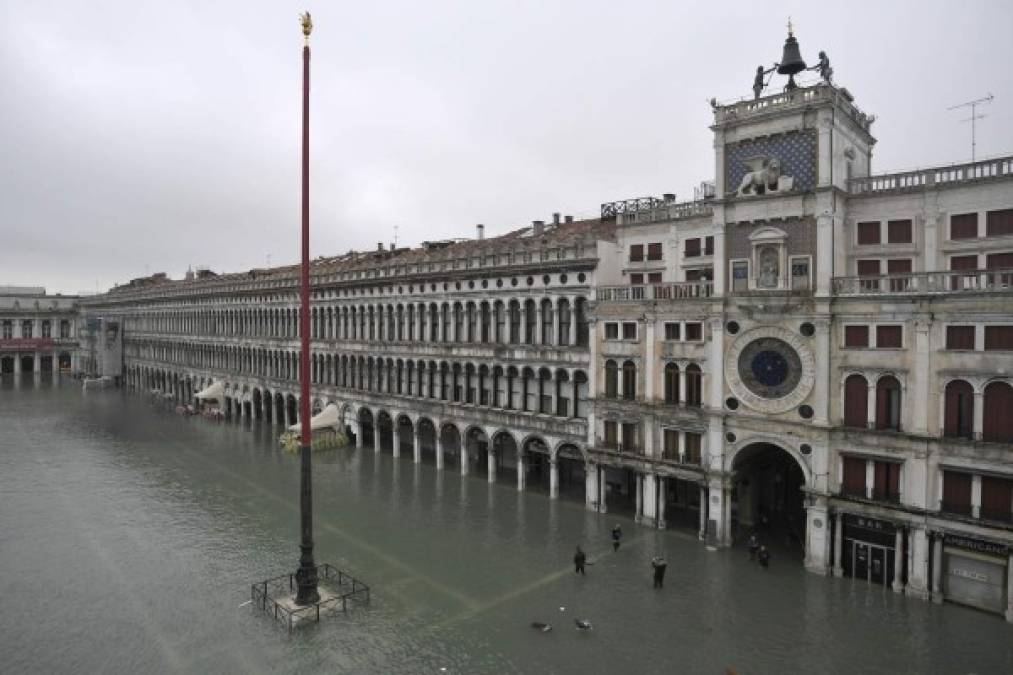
579,558
617,534
659,565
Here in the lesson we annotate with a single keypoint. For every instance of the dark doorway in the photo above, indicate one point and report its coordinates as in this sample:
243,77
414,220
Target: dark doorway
768,496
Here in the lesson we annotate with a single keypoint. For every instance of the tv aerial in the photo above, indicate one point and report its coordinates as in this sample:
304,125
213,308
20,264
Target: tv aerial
973,105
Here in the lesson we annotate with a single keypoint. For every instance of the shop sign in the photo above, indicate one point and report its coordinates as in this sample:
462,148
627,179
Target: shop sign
19,344
968,574
870,524
976,545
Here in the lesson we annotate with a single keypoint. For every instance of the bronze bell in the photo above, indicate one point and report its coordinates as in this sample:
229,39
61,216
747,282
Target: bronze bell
791,61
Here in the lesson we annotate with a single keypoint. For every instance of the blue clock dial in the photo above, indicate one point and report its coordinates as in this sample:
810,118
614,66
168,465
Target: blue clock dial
770,368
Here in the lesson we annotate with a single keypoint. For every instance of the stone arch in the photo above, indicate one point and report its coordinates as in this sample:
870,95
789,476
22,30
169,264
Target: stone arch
450,440
385,430
771,477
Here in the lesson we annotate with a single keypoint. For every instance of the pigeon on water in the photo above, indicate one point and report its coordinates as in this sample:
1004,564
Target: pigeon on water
544,627
583,624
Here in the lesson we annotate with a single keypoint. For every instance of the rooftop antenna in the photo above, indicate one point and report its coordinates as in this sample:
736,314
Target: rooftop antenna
973,105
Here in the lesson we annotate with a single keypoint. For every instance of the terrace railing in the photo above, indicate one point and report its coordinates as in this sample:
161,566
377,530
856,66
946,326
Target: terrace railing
947,175
669,291
918,283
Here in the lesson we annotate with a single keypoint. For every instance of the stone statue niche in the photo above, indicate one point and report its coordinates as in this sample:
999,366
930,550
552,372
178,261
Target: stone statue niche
763,177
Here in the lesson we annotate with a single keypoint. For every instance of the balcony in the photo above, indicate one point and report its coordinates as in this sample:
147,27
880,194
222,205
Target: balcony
927,283
671,291
907,181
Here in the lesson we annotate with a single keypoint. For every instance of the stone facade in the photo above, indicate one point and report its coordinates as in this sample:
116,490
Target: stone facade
757,361
38,332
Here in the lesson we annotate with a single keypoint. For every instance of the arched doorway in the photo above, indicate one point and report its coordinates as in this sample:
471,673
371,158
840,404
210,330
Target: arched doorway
427,441
385,427
477,448
450,439
768,498
537,468
293,416
572,473
405,436
508,464
366,427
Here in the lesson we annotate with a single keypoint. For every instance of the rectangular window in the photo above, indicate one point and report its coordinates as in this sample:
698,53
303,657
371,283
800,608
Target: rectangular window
636,253
853,479
611,434
856,336
708,245
999,261
898,232
800,274
996,498
611,331
693,444
999,223
957,492
898,266
629,330
654,278
740,276
671,446
637,279
886,485
47,329
8,330
702,274
26,329
630,437
964,226
672,331
889,337
960,337
998,338
868,233
692,248
868,268
694,331
654,251
65,329
964,262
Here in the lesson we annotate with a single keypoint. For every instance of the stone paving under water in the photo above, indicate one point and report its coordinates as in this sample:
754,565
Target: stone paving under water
139,532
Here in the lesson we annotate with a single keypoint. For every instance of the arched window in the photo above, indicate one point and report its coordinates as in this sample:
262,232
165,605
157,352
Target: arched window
565,318
611,379
547,316
998,413
671,383
629,380
958,420
888,403
515,322
694,385
580,316
856,402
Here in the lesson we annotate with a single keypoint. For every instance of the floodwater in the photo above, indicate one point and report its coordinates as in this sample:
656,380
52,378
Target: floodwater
129,538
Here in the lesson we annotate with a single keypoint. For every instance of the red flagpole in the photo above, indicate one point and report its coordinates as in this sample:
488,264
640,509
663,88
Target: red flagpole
306,576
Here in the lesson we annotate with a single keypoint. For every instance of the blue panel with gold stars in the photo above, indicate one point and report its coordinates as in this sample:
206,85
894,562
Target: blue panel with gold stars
796,152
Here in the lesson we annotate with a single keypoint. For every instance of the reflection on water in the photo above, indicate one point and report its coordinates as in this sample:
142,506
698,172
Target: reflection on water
129,537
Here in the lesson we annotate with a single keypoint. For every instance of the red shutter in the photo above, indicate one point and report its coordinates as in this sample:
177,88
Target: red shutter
654,278
637,279
708,246
964,226
898,232
996,498
998,413
636,252
856,336
999,223
654,251
998,261
853,482
999,338
856,402
889,337
887,417
692,248
960,337
956,492
868,233
898,266
964,262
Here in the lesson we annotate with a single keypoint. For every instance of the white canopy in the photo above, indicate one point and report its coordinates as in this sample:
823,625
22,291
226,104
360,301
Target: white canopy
328,418
214,392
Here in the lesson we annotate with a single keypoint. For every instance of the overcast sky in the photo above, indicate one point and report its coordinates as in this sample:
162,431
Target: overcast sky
138,137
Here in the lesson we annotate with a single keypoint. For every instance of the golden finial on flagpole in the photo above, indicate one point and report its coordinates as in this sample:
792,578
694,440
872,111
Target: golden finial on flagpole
307,25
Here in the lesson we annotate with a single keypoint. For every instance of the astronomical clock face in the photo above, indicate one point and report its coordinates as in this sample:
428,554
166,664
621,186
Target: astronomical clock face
770,369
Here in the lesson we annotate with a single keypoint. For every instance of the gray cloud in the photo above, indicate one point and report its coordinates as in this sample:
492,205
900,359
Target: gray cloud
142,137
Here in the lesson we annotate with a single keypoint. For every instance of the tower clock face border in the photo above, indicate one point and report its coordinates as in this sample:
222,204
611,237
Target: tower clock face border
770,369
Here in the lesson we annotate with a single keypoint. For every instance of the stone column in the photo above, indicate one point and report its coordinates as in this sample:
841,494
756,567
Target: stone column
978,423
650,366
555,323
522,471
554,479
703,512
937,568
464,458
602,491
839,544
537,333
898,562
591,490
682,384
1009,588
639,513
918,572
817,540
376,436
490,463
573,322
824,254
976,495
822,387
662,501
357,428
922,372
649,499
870,405
416,445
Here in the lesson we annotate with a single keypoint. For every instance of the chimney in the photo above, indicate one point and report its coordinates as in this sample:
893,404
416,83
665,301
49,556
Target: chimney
379,246
392,247
480,231
555,218
669,197
537,228
568,219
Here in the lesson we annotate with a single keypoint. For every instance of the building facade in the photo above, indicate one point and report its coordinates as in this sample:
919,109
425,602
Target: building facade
809,351
38,332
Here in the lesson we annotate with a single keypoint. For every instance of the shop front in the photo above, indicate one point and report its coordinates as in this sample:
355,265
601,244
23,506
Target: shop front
869,549
975,573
